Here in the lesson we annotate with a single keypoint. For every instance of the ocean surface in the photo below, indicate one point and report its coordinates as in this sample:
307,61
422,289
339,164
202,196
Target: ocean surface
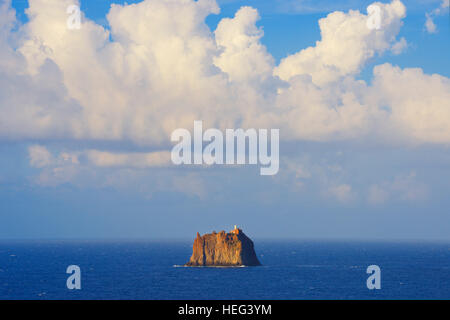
291,270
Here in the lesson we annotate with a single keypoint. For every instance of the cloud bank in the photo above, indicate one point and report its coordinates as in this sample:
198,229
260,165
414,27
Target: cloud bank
160,67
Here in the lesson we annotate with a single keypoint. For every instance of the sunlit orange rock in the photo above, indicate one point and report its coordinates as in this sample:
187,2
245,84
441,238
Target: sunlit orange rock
223,250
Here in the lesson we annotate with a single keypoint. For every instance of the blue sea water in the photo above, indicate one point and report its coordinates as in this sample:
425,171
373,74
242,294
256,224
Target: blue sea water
291,270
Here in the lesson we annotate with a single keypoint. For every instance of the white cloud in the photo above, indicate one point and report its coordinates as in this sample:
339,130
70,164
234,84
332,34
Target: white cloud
243,57
346,45
399,46
121,171
430,26
419,104
55,170
136,160
39,156
164,68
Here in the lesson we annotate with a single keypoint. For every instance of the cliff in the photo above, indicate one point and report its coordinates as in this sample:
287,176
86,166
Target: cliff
223,249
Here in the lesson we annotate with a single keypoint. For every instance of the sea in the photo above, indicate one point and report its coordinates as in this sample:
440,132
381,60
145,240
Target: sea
138,269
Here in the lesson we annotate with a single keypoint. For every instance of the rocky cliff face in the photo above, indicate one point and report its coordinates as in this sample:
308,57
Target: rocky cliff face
223,249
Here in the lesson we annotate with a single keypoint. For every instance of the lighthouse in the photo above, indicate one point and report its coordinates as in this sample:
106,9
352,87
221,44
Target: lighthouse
236,230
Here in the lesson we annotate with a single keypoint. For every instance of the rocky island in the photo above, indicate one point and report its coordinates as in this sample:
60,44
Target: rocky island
223,250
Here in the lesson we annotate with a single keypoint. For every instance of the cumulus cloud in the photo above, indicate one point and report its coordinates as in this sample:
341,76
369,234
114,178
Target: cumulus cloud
243,57
418,104
159,67
346,45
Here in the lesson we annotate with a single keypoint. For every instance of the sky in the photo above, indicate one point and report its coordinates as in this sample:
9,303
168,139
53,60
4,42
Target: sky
87,115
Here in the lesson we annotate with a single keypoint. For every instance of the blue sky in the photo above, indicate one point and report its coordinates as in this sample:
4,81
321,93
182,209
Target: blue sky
358,176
